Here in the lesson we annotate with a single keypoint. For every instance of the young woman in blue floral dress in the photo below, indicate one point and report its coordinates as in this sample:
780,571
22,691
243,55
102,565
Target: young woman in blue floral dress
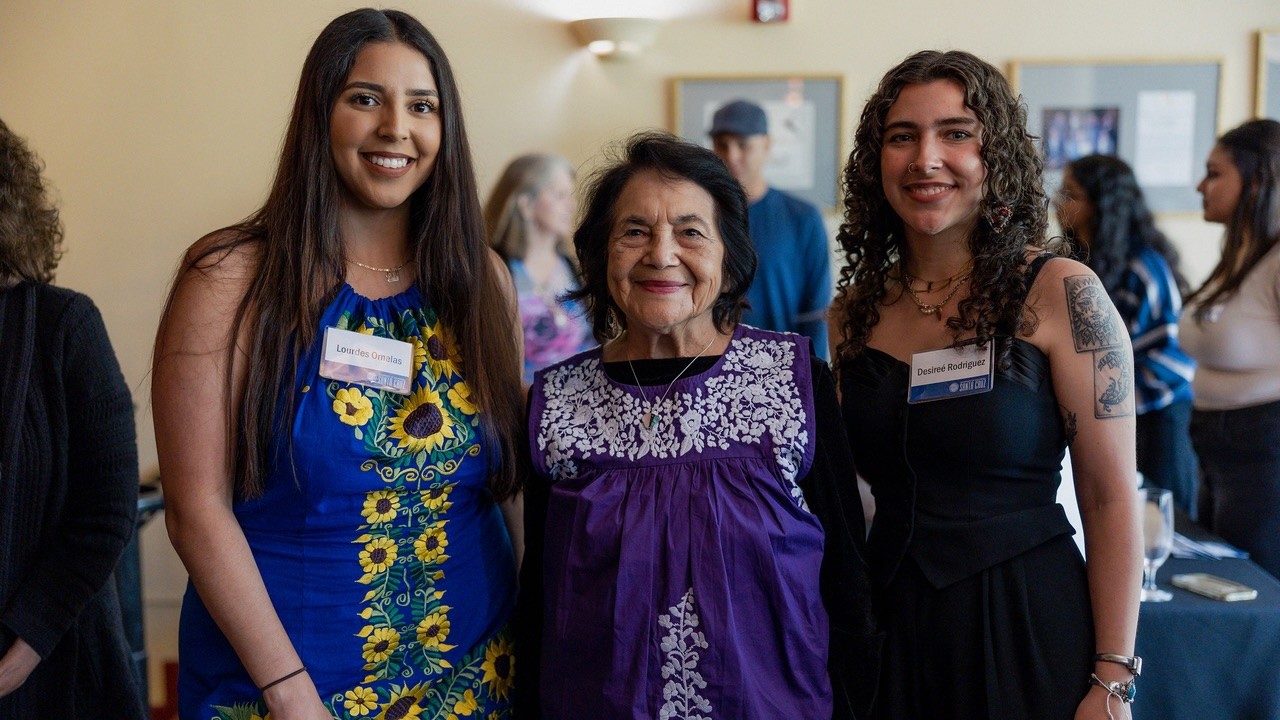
343,529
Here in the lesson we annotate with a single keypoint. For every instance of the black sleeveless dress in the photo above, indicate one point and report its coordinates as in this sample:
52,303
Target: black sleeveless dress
982,592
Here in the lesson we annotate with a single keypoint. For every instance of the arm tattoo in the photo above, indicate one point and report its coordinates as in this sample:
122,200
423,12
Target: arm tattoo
1069,425
1095,328
1112,384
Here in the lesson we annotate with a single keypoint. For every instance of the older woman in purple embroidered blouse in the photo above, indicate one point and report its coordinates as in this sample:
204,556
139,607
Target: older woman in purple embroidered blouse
693,551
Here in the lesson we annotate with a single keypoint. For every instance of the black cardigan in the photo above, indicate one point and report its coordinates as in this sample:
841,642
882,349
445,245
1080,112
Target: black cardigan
68,501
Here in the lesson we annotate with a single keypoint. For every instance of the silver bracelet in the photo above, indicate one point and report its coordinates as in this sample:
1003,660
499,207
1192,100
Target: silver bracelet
1132,662
1125,692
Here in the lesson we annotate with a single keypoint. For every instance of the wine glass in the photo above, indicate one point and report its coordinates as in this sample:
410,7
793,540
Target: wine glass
1157,539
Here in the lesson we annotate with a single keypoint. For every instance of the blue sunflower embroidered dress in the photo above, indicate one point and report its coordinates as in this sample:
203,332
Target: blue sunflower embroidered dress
384,555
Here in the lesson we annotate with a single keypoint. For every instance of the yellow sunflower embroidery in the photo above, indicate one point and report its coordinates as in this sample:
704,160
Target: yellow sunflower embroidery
430,546
403,704
434,630
360,701
352,407
422,423
380,644
440,352
436,499
465,706
419,354
499,667
378,555
460,396
380,506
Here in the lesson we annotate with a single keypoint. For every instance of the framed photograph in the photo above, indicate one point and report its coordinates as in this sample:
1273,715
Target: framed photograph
1267,99
804,115
1160,116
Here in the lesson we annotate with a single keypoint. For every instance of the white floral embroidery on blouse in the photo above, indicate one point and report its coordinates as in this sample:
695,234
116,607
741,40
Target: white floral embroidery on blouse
754,393
681,645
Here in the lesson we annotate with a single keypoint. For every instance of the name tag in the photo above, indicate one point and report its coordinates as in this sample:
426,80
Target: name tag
951,373
375,362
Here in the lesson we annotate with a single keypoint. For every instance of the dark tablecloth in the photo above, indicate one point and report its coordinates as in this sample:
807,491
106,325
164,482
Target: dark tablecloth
1205,658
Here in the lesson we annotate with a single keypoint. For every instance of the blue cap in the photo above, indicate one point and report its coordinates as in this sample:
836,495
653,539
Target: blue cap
740,117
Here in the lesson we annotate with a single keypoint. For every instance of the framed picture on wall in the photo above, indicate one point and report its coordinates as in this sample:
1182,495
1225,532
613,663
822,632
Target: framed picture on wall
1267,99
805,126
1160,116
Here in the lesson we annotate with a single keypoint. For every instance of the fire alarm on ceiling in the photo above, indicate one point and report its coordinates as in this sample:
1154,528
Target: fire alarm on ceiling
769,11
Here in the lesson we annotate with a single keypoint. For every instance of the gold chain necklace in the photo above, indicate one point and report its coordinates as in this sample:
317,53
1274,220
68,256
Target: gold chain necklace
933,308
392,273
650,418
944,283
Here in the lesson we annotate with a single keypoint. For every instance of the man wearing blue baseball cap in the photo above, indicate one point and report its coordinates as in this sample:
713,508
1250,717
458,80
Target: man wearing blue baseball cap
792,287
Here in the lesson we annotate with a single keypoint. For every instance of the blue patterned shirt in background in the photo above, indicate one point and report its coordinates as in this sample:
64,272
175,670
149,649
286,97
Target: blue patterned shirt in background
1149,303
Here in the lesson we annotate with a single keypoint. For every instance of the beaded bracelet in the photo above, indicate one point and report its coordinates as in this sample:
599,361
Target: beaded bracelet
282,678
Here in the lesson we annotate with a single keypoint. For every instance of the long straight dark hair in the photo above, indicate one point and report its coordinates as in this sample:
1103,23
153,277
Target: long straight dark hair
1122,224
1254,228
300,267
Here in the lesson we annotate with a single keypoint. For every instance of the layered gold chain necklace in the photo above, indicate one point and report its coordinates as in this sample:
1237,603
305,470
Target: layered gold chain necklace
955,282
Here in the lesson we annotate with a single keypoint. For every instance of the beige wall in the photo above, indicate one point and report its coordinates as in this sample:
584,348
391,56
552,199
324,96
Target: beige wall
160,120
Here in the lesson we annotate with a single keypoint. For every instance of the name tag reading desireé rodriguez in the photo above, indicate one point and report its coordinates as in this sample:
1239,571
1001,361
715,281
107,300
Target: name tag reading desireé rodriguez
951,372
375,362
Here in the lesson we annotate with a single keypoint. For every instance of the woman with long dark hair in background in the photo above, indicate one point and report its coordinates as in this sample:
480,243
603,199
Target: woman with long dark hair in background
1102,211
1232,328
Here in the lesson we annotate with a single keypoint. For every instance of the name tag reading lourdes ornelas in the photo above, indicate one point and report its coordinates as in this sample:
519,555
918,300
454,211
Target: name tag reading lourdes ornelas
367,360
950,373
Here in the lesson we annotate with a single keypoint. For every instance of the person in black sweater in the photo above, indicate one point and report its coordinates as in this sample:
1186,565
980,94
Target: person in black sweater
68,474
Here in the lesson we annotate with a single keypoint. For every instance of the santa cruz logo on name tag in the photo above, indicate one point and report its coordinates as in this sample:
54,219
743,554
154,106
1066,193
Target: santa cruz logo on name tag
367,360
951,372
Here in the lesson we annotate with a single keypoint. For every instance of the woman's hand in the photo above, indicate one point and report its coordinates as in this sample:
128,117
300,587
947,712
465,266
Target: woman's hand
16,666
1102,705
295,699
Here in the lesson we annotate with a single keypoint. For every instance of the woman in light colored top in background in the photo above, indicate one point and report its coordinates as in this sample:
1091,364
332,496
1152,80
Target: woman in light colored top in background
529,218
1232,328
347,553
1101,209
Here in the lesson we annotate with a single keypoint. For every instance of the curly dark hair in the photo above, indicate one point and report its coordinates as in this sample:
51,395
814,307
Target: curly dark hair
30,231
872,233
1122,225
678,159
1254,227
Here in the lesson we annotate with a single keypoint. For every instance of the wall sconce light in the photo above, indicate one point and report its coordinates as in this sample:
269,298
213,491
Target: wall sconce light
770,11
615,38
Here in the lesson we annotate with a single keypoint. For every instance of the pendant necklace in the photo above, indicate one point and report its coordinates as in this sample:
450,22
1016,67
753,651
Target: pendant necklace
650,418
933,308
392,273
